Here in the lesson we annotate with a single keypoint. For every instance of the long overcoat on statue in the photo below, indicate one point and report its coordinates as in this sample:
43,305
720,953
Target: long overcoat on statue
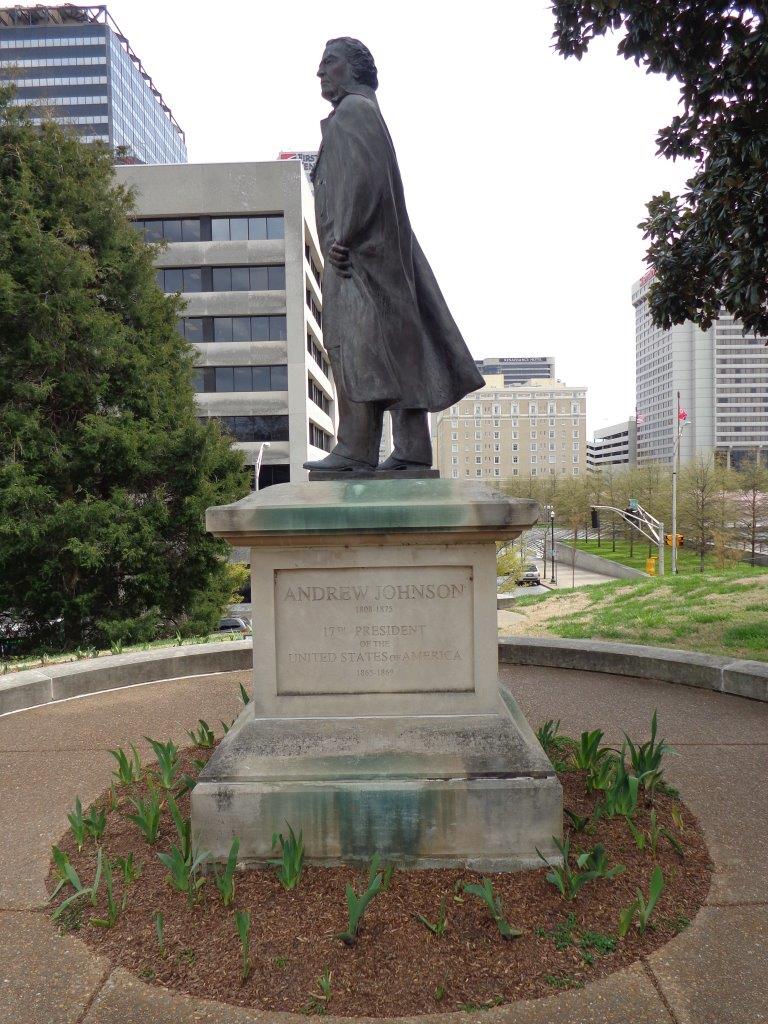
397,340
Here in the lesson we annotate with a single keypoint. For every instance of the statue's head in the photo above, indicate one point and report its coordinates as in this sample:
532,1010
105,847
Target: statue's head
345,65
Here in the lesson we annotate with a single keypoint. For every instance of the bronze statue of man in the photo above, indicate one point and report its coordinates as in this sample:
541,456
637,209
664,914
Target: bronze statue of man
391,339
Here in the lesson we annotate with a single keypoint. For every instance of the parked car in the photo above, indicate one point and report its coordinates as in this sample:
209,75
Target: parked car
231,624
530,576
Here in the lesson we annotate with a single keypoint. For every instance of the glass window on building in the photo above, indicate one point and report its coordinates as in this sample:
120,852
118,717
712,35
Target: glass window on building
170,230
241,279
171,280
192,279
191,328
225,379
241,229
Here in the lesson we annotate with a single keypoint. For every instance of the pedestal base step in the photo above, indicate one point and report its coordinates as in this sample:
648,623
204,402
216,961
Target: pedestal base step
473,790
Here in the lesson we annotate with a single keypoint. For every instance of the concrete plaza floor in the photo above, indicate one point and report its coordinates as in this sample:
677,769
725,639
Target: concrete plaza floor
715,972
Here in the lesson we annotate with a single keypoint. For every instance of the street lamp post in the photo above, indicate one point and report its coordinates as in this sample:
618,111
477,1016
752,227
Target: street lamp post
552,527
264,444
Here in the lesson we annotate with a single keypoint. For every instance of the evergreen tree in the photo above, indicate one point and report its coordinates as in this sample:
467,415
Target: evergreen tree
105,472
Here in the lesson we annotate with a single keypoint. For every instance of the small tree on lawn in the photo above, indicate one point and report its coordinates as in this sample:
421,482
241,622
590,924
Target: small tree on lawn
698,508
105,472
752,515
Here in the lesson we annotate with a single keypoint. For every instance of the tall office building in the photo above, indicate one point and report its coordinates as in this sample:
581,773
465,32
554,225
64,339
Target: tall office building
613,446
242,250
722,379
73,64
518,369
534,429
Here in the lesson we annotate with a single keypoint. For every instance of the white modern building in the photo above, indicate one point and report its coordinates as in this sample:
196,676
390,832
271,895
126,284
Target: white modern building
241,248
71,63
722,380
613,446
535,429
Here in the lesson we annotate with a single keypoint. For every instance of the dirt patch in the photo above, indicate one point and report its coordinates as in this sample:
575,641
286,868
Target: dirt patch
397,965
536,617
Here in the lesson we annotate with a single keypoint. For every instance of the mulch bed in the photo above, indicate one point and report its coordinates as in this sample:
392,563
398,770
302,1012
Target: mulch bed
397,966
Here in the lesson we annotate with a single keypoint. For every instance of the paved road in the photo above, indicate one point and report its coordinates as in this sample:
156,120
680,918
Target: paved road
713,973
565,579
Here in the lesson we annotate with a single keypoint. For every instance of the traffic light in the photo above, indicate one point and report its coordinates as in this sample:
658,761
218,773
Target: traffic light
595,519
668,540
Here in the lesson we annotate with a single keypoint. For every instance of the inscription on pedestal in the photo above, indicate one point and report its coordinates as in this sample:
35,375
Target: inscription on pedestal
376,630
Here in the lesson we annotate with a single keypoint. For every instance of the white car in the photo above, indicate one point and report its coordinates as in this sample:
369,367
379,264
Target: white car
530,576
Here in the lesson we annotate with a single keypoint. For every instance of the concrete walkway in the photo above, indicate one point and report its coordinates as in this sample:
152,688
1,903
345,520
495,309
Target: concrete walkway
715,972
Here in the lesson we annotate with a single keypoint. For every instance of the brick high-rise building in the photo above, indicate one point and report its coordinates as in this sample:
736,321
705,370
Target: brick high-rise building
534,429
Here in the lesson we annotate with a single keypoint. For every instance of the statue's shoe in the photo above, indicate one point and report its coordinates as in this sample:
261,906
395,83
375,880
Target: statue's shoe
338,464
392,464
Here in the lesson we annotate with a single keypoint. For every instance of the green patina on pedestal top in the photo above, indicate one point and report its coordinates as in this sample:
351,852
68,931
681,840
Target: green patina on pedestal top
339,508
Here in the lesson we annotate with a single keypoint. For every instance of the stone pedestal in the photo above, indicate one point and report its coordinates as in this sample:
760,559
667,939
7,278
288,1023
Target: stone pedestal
377,724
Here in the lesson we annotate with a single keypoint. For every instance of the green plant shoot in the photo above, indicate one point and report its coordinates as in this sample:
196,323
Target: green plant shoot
225,880
356,907
640,909
128,768
167,755
114,908
147,816
95,822
77,824
159,920
437,927
183,871
243,926
485,893
128,868
203,735
291,860
386,872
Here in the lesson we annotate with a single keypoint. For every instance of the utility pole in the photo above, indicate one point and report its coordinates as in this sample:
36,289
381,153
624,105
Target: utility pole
552,527
681,421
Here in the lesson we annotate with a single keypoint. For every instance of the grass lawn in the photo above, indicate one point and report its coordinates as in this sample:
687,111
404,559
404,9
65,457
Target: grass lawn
718,613
687,560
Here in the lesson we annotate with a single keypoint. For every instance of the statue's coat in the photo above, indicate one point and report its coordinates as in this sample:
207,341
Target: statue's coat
398,342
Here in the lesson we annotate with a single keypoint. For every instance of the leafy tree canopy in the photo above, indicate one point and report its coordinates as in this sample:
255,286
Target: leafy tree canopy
709,247
105,472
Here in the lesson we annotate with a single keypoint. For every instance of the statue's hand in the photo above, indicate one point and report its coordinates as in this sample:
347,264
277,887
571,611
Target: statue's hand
338,257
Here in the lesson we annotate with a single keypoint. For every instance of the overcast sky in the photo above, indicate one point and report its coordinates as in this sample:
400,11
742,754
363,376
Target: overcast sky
525,174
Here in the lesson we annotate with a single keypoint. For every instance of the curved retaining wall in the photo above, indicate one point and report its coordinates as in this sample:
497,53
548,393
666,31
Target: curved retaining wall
688,668
564,555
21,690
